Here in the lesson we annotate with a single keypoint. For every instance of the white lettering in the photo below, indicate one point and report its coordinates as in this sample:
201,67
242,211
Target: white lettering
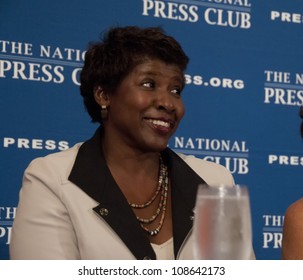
36,144
5,66
62,54
283,96
19,48
234,165
169,10
198,80
7,141
299,79
7,213
285,160
211,144
6,232
243,3
274,239
277,76
76,76
286,17
227,18
31,71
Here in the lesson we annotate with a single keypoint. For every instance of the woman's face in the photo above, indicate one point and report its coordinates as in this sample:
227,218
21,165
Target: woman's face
146,108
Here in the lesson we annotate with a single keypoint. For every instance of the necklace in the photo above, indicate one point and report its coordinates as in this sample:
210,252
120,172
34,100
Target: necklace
163,189
160,224
160,182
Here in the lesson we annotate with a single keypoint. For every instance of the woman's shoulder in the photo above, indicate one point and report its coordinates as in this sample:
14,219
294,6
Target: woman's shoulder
211,172
295,210
59,162
292,242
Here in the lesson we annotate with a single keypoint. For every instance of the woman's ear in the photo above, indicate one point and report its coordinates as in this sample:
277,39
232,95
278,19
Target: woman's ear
101,97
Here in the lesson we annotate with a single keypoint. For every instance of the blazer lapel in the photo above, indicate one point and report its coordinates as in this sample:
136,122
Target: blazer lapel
184,182
91,174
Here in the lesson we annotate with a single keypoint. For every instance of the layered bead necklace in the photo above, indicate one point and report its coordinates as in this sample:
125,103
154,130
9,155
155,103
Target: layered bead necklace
162,189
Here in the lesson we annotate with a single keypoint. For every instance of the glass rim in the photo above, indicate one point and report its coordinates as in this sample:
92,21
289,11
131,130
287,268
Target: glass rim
222,190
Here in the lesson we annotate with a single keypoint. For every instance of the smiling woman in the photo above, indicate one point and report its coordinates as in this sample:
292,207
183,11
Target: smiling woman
151,111
122,194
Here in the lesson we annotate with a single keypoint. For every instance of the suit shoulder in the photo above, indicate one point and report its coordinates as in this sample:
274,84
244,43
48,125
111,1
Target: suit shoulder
212,173
59,162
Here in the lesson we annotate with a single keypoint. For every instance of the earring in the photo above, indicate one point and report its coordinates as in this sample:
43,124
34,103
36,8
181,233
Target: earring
104,113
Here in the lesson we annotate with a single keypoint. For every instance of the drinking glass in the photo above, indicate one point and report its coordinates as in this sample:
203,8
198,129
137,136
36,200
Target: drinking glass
222,223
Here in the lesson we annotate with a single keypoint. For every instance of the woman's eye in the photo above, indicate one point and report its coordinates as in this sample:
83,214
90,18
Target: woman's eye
176,91
148,84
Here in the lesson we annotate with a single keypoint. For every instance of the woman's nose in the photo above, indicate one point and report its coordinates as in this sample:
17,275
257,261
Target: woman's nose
165,102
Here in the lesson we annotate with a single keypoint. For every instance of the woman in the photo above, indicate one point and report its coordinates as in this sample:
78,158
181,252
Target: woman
122,194
292,241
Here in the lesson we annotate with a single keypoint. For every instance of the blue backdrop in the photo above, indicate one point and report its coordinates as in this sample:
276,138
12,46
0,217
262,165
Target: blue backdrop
244,90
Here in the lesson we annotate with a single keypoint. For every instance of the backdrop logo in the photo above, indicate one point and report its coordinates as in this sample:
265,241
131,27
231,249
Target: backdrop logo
223,13
286,17
283,88
35,144
272,231
214,82
286,160
41,63
7,215
232,154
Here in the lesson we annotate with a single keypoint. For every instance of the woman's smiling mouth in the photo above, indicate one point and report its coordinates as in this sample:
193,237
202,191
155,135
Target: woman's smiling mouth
161,125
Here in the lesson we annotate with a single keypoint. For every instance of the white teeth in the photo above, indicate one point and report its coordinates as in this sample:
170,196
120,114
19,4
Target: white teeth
158,122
